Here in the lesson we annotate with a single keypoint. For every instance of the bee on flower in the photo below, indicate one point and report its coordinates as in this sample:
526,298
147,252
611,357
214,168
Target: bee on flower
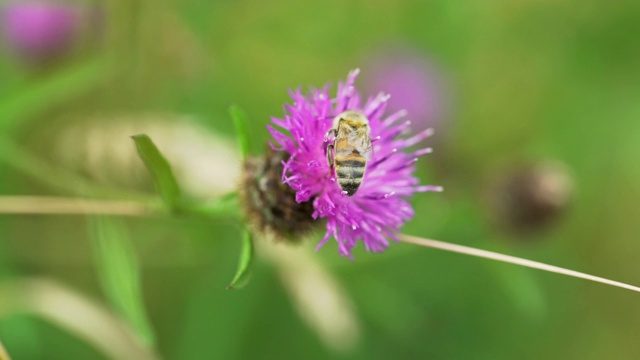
350,150
350,161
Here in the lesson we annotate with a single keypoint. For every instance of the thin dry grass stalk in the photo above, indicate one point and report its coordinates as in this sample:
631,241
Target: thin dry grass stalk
69,206
435,244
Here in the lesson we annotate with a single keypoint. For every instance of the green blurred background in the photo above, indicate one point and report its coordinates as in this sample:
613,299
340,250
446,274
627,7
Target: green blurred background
516,91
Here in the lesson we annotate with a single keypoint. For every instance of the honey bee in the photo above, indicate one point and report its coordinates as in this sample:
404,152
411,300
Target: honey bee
350,150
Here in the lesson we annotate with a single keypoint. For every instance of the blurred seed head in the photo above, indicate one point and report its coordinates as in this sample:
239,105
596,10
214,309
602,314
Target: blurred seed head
530,198
40,31
205,163
270,205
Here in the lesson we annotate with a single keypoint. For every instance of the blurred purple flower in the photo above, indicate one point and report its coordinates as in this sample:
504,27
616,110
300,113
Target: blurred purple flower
379,208
37,31
414,82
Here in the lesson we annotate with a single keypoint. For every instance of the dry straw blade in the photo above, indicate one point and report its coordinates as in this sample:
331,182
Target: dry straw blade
56,205
435,244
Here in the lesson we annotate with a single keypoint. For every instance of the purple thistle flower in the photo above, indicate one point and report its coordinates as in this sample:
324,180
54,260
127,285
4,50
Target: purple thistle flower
379,208
416,83
37,30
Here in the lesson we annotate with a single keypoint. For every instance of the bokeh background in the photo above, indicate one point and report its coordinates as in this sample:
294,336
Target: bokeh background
535,104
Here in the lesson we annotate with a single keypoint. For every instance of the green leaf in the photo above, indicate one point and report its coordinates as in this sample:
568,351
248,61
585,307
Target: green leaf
33,98
119,273
159,168
245,263
241,122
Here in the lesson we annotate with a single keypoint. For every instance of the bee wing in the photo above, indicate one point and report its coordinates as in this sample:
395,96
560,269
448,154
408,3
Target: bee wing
362,142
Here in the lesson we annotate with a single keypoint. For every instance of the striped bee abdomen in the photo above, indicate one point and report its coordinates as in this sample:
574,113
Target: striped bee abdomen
350,171
351,149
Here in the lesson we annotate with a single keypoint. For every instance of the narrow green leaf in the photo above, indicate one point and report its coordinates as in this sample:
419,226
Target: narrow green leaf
241,122
119,273
33,98
159,168
245,264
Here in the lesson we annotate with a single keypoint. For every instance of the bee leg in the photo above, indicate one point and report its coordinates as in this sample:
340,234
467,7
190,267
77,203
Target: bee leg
330,137
330,133
330,158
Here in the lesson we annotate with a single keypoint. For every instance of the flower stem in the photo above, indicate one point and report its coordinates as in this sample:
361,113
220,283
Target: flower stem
51,205
435,244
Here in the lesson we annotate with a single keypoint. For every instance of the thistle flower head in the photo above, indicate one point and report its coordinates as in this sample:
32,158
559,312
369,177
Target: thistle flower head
417,84
38,30
269,204
379,208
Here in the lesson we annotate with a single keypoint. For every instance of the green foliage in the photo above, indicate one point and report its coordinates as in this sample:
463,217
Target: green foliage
22,332
30,99
514,90
119,273
159,169
223,206
241,123
245,262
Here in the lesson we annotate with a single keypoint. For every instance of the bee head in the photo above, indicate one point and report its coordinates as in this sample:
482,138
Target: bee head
352,118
